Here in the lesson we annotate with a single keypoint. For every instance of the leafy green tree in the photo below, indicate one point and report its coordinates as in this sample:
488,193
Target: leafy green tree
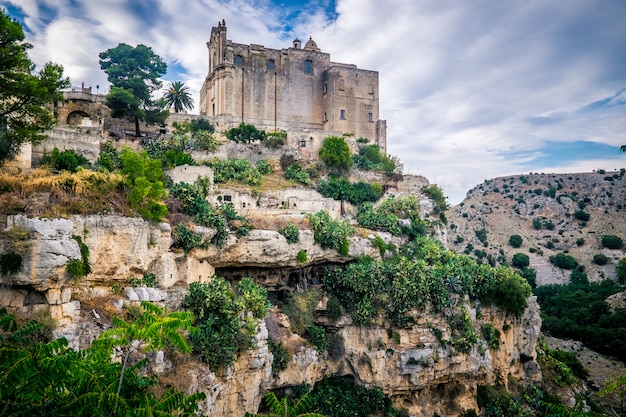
245,133
177,96
336,154
284,408
134,74
515,241
520,260
51,379
144,181
24,95
612,242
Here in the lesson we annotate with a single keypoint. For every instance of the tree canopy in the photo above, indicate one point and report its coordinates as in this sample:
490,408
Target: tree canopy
24,95
177,96
134,74
335,153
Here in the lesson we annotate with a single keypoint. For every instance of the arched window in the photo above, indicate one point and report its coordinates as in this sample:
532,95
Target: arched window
270,65
238,60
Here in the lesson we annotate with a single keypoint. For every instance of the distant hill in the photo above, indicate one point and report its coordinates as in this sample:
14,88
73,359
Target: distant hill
548,212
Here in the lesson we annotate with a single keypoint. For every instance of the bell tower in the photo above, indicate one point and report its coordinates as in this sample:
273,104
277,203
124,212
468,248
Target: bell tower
217,46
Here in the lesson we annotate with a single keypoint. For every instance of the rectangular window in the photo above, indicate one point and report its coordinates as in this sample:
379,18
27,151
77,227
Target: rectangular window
342,114
303,143
270,65
228,198
370,117
308,66
239,60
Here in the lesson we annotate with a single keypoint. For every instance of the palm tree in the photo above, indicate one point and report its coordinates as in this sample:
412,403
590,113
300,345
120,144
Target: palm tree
282,409
178,96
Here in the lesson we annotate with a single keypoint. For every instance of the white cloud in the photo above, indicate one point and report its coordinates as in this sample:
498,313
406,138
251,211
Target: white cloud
465,86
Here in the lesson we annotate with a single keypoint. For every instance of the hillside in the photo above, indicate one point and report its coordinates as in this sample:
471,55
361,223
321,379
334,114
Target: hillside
508,206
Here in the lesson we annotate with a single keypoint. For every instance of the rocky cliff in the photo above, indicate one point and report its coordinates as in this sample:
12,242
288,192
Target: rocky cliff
412,365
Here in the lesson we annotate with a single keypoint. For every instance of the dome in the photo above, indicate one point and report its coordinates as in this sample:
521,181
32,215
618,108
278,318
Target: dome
311,45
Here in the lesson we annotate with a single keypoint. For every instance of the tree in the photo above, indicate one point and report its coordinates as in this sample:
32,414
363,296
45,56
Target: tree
24,96
51,379
336,154
515,241
178,96
282,408
245,133
134,74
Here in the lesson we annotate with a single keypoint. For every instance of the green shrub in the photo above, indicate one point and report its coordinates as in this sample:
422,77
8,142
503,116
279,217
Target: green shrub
530,275
578,277
148,280
491,335
333,309
275,140
581,215
537,223
10,263
280,354
144,181
317,336
386,216
335,153
297,174
78,268
291,233
481,235
186,239
302,257
237,170
329,233
510,295
600,259
109,157
300,309
612,242
357,193
339,396
379,243
370,158
224,327
264,167
245,133
438,198
495,401
67,160
563,261
580,241
520,260
515,241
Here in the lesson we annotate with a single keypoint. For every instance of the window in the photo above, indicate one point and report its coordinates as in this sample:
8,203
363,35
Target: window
303,143
325,117
228,198
325,88
238,60
270,65
370,117
308,66
213,109
342,114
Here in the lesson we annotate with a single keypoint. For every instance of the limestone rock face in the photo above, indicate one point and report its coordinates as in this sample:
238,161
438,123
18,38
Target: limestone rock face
267,248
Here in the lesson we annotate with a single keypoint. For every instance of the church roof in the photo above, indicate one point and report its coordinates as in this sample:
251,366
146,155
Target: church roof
311,45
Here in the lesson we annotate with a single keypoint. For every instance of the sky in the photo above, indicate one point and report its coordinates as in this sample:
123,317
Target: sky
471,90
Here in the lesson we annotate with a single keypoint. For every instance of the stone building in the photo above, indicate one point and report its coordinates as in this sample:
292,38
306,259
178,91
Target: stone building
297,90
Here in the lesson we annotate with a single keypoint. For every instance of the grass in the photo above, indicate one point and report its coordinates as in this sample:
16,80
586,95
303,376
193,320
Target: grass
43,193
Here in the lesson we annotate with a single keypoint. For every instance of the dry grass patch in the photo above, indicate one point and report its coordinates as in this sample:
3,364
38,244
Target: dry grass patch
262,221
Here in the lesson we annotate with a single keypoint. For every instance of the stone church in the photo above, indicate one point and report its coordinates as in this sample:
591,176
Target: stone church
297,90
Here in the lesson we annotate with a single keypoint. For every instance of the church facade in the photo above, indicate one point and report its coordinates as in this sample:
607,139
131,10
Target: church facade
297,90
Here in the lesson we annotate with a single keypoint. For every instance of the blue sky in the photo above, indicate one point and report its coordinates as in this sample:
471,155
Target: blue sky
470,90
